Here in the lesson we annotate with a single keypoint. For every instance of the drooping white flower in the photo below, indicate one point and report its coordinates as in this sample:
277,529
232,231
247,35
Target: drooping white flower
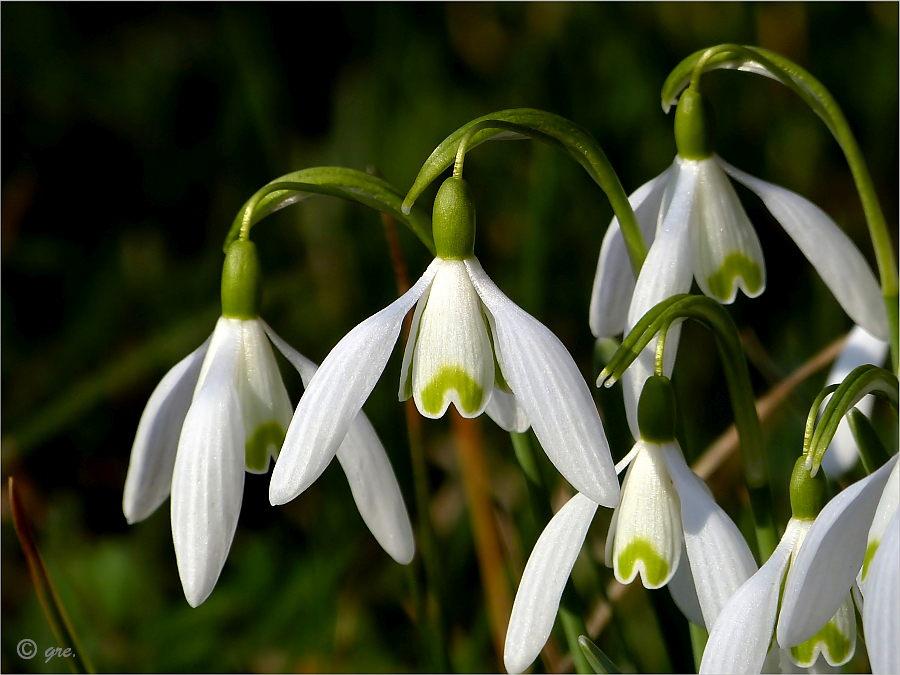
221,411
665,513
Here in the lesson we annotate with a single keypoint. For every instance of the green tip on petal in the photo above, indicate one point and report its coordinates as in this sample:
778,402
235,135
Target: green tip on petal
735,265
808,494
453,220
694,126
656,410
256,450
837,646
871,549
241,281
451,378
656,569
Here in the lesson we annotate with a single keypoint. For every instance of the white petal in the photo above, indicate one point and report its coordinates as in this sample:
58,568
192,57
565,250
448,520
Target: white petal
720,558
453,360
888,505
836,259
552,392
724,246
409,351
614,280
861,348
827,563
739,639
149,476
506,411
335,395
648,536
881,613
208,479
265,404
684,591
369,472
543,581
666,272
836,641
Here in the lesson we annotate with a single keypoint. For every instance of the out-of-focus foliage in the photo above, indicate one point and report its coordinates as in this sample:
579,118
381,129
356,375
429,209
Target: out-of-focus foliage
133,133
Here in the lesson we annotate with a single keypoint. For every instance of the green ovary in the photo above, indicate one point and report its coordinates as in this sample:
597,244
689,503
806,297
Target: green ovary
655,568
870,553
837,646
735,265
256,451
449,378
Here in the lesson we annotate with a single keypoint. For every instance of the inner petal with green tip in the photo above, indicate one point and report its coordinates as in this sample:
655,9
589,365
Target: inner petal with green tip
453,360
836,640
265,442
737,270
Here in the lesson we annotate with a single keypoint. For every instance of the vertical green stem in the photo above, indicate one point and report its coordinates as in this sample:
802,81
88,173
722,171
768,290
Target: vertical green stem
699,636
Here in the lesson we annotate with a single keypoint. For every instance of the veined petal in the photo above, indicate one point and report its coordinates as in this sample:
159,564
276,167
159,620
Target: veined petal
739,638
861,348
888,505
724,245
264,400
823,571
836,640
149,476
719,557
406,378
543,581
303,365
453,360
336,393
648,535
684,591
551,391
506,412
836,259
208,478
881,613
666,272
614,280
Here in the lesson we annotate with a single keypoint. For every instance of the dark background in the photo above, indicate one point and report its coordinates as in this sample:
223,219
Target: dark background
133,133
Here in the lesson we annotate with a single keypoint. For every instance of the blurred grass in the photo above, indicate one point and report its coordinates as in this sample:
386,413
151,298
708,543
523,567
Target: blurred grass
133,135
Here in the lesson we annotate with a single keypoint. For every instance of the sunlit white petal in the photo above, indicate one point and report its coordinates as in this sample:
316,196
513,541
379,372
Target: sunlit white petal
881,613
551,391
208,477
149,476
888,505
739,639
719,556
823,571
648,536
336,393
836,259
543,581
614,280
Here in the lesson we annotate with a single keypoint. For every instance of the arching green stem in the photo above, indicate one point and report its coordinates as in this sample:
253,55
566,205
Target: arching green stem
715,317
553,130
348,184
817,97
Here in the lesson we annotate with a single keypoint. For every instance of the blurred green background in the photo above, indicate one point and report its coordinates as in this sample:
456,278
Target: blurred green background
133,133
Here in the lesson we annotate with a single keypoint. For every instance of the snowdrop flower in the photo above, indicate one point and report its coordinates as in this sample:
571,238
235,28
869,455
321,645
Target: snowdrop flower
222,411
665,512
697,229
815,563
470,346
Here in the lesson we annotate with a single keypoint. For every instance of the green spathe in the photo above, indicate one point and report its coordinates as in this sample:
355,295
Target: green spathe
256,450
241,281
837,644
694,126
734,266
453,220
447,379
656,569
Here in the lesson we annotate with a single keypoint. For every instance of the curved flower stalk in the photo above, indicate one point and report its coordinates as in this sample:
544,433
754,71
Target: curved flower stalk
861,348
222,411
665,512
469,345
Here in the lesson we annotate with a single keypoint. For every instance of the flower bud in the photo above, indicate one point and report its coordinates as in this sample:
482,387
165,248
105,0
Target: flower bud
241,281
453,220
656,410
694,126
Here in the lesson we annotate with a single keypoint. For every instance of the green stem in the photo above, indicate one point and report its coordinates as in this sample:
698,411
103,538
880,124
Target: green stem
699,637
553,130
871,450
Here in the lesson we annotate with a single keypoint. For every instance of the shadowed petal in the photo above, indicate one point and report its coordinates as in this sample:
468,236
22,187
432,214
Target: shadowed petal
336,393
684,591
152,461
835,641
552,392
543,581
881,613
888,505
719,557
614,280
506,412
836,259
823,571
208,478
